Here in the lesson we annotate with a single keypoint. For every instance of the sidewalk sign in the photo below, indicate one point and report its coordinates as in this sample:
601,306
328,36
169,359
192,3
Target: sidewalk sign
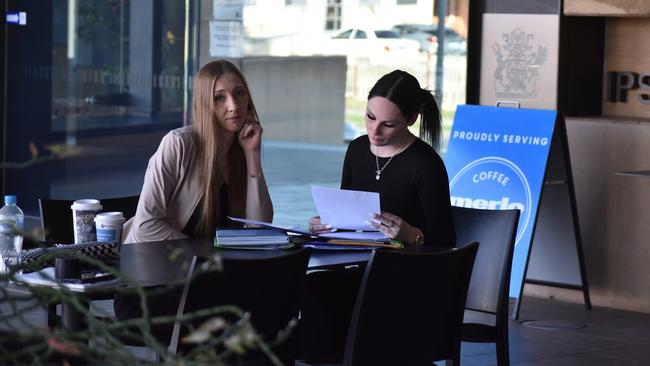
503,158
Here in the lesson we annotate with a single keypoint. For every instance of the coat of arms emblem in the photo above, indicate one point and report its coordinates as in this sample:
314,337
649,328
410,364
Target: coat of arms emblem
518,63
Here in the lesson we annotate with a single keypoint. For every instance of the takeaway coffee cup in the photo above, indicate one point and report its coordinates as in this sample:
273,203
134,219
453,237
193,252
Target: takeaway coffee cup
109,226
83,219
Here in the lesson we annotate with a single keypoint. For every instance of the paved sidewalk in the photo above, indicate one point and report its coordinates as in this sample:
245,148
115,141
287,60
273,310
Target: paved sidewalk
291,169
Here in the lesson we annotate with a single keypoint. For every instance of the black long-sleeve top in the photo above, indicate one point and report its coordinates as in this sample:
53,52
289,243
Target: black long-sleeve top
414,186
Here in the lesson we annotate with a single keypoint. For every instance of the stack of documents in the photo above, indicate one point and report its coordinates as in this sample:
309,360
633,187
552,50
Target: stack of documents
258,238
351,240
353,245
342,240
354,240
348,212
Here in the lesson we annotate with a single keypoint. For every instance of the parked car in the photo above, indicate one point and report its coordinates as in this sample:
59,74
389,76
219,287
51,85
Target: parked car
375,44
427,37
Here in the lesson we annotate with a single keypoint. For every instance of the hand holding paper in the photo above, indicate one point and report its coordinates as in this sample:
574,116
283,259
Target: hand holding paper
345,209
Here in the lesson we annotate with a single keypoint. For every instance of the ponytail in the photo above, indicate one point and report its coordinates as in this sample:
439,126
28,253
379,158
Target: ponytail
430,125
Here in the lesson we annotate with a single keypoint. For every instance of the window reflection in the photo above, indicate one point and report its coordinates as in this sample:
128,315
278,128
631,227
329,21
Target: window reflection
375,37
120,63
93,84
102,80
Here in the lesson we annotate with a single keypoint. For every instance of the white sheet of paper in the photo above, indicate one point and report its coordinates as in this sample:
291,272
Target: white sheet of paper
349,235
345,209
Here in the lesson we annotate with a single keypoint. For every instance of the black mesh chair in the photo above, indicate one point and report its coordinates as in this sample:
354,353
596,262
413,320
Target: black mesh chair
410,308
56,216
268,289
488,291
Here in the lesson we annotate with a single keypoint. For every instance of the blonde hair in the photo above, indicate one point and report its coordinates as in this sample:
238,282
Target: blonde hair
207,131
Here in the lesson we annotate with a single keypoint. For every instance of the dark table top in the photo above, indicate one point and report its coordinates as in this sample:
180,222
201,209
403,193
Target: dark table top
156,263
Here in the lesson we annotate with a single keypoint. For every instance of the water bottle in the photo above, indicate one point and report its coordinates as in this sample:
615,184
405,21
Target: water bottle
11,243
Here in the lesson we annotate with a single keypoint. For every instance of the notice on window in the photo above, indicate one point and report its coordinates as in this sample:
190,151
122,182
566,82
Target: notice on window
227,9
226,38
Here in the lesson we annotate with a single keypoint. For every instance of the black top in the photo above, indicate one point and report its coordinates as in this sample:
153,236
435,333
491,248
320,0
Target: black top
414,186
190,228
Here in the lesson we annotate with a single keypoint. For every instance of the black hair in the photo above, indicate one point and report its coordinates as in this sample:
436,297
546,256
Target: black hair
403,89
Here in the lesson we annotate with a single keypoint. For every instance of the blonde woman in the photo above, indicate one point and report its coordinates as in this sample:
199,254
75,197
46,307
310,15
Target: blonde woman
206,171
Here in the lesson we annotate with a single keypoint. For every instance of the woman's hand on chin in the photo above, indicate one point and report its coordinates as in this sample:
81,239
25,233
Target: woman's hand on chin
250,136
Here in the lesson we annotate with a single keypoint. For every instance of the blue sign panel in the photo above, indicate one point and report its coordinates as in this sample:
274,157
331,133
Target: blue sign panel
496,159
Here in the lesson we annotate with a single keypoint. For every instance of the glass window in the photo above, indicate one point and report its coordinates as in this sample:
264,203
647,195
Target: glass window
103,80
333,18
386,34
402,37
344,35
99,84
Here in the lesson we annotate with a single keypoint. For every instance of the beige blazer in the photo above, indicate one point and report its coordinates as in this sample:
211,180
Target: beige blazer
171,192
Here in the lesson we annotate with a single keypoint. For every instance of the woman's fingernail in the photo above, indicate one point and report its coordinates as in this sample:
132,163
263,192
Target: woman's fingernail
368,223
328,226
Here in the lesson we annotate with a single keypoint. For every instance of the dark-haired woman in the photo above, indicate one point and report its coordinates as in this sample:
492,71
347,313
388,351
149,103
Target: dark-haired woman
412,182
406,170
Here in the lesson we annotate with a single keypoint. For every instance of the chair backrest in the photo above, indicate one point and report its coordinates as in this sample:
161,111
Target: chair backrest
56,215
410,307
268,289
495,230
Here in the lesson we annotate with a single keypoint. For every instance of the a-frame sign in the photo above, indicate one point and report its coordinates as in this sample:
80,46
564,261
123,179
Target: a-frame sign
501,158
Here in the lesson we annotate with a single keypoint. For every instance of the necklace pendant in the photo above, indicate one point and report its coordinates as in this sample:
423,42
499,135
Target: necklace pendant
377,177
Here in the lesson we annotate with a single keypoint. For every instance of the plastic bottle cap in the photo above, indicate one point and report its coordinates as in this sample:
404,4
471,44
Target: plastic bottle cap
10,199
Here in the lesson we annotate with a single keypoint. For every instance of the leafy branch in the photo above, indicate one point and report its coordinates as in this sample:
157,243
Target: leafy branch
223,332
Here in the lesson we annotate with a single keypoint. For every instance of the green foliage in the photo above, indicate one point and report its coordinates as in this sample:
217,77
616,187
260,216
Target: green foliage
223,334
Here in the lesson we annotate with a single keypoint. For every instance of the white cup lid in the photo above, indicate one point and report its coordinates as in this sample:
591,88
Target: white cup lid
109,216
86,205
